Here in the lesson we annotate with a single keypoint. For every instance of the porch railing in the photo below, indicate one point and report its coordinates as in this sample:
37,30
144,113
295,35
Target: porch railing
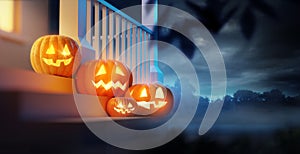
108,33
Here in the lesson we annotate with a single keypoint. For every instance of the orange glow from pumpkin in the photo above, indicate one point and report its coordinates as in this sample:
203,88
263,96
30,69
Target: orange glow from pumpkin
144,93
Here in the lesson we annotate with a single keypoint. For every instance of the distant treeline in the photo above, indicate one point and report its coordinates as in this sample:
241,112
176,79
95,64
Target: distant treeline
248,97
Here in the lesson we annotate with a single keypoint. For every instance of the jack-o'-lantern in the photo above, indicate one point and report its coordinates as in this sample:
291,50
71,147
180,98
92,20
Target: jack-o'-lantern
149,98
55,55
103,78
121,107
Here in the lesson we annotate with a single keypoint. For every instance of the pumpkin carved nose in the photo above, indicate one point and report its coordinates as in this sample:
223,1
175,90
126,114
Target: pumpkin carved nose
144,93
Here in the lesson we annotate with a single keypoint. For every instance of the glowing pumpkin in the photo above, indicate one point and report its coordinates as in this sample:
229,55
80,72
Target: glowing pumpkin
55,55
103,78
150,98
121,107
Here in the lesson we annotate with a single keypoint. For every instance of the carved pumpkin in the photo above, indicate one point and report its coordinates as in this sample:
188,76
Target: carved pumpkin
55,55
149,98
103,78
121,107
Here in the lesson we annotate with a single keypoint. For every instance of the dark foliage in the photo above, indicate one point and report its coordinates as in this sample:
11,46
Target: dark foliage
248,97
273,97
214,14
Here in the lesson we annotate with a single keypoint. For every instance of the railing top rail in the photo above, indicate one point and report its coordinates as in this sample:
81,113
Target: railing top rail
124,15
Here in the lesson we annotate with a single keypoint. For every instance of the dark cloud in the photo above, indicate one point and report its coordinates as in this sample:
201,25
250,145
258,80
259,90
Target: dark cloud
271,59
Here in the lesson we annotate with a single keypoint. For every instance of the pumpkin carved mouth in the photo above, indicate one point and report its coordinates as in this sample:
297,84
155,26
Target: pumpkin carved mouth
121,108
110,85
151,104
58,62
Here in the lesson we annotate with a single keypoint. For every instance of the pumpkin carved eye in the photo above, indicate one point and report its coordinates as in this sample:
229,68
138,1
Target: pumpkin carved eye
159,93
66,51
50,50
119,71
101,71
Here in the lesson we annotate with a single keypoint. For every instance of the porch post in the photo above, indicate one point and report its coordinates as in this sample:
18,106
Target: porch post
72,23
149,19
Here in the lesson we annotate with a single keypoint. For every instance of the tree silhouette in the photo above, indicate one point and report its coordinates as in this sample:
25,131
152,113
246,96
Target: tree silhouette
274,96
245,96
228,102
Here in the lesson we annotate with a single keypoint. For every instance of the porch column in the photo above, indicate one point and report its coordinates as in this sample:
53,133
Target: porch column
149,19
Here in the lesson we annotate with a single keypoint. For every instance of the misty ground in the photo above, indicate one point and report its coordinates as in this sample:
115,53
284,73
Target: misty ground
249,129
245,129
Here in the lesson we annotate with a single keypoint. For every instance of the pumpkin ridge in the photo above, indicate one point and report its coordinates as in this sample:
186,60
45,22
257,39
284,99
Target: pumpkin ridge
34,54
68,69
41,55
60,70
72,45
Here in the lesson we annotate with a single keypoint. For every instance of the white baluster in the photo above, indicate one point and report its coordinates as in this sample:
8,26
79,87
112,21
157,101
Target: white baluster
123,53
89,21
138,68
96,44
143,73
134,52
104,33
110,54
129,45
147,63
118,25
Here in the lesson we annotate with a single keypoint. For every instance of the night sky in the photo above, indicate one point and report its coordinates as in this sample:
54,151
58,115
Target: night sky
269,59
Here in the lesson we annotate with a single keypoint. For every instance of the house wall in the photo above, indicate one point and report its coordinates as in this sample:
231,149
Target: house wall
15,49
